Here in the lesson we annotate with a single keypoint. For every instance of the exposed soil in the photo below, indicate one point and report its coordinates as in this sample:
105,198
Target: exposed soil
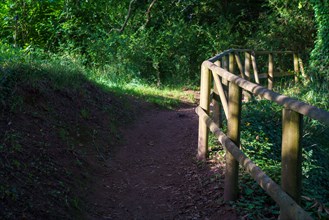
51,142
154,174
61,158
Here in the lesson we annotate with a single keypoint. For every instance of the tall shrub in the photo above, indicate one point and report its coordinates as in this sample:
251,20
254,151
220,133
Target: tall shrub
320,53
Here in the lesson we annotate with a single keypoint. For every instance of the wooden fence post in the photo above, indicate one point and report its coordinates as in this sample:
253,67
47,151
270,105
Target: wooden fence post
254,66
239,63
225,66
225,62
247,65
301,67
247,96
231,63
291,164
270,72
234,120
217,113
204,104
296,66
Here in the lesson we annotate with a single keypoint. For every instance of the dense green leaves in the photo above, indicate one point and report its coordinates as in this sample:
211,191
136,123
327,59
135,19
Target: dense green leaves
31,22
320,54
164,41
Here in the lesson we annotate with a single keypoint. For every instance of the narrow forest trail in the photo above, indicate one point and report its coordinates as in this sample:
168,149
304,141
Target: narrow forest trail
154,174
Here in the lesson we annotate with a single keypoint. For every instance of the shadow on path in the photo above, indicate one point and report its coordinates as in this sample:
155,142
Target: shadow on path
154,174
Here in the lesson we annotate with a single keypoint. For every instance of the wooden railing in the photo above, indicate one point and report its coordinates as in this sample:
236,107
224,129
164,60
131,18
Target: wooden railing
227,94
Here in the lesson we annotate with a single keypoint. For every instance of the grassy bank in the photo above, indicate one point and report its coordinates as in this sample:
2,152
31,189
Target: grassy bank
59,123
261,132
60,120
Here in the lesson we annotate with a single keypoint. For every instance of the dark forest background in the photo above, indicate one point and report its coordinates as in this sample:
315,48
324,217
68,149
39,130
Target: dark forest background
74,72
165,41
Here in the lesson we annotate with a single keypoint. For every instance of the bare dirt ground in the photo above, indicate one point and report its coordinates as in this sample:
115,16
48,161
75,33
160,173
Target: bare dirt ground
154,174
54,147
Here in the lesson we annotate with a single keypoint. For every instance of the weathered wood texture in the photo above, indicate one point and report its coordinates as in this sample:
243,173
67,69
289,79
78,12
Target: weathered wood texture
291,153
217,106
234,119
250,58
285,101
204,103
286,203
231,67
296,66
225,66
247,65
292,117
239,63
270,72
254,67
222,93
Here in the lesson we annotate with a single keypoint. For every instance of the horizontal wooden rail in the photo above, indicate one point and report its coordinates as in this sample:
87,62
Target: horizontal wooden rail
250,66
290,103
275,74
221,55
264,52
273,52
228,86
286,203
221,93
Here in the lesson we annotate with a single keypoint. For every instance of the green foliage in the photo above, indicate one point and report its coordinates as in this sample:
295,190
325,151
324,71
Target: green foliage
261,141
30,22
261,132
165,43
285,25
69,42
32,96
319,57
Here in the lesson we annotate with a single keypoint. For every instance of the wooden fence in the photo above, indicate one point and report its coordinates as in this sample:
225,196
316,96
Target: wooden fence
227,94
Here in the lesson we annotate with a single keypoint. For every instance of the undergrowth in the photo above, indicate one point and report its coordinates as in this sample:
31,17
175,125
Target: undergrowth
59,121
66,74
66,70
261,132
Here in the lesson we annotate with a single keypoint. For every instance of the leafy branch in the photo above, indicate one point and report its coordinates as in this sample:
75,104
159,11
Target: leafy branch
120,30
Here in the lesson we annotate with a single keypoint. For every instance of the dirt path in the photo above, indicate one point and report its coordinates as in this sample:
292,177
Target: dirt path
154,175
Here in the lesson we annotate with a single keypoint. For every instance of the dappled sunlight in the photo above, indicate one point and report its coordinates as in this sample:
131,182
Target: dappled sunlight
164,97
80,79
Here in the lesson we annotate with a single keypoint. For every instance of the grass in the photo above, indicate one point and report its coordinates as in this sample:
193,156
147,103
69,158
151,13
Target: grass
313,93
67,71
41,88
164,96
261,141
261,124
